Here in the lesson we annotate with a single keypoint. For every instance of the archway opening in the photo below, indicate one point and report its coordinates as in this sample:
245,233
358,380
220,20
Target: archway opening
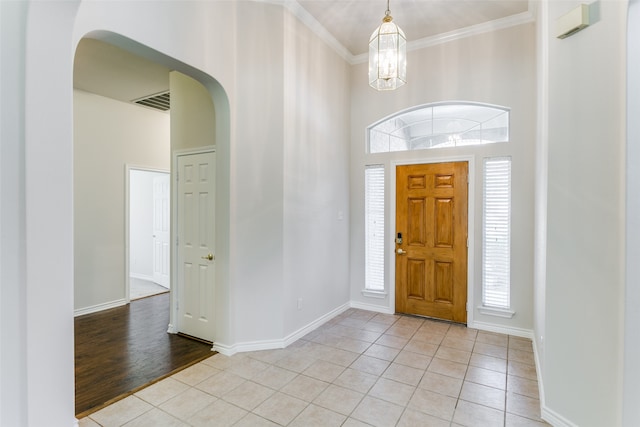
99,196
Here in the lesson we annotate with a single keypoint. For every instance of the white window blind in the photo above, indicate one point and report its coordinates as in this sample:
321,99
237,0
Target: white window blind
496,277
374,227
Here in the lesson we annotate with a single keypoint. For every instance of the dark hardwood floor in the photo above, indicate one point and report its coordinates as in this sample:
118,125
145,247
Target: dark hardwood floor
120,350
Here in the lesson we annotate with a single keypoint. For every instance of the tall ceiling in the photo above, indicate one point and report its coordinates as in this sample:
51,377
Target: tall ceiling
351,22
345,24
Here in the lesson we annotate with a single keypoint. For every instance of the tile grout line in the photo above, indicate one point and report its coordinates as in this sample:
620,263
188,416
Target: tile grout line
308,342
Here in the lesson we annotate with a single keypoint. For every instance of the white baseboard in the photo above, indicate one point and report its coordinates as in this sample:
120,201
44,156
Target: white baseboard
546,413
371,307
555,419
490,327
99,307
229,350
293,337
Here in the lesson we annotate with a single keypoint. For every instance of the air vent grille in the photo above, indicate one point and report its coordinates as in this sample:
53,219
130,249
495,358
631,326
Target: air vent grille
160,101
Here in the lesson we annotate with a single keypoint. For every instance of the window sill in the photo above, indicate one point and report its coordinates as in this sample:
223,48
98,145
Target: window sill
498,312
374,294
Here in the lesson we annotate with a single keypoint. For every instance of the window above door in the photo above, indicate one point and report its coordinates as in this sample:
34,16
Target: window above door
448,124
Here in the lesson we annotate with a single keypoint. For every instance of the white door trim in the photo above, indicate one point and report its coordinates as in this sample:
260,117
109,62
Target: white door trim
174,326
391,232
127,212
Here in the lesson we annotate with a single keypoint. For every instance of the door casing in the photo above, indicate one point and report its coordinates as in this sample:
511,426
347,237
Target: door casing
391,232
127,177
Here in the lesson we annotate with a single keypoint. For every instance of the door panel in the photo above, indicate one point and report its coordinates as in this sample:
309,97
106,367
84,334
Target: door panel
196,243
444,223
416,279
431,261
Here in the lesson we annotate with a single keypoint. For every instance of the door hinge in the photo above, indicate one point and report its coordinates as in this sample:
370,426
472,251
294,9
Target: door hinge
467,307
467,242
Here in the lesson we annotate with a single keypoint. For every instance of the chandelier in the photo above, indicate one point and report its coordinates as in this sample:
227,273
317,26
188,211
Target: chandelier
387,55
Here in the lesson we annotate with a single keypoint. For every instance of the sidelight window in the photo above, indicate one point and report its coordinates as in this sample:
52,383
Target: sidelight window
374,227
496,245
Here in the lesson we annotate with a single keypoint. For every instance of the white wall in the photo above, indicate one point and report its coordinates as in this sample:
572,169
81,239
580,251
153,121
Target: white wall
316,178
108,135
496,68
257,174
582,371
48,178
13,295
541,172
631,409
141,222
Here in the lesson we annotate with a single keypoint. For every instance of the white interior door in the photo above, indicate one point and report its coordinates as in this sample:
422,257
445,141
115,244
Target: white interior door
196,243
161,252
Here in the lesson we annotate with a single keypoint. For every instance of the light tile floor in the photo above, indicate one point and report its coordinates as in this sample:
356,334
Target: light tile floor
359,369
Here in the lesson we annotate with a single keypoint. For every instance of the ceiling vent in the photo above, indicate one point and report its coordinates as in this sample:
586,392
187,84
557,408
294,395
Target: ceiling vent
160,101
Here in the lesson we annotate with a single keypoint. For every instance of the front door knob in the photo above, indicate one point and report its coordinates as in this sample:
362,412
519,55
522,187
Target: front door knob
210,257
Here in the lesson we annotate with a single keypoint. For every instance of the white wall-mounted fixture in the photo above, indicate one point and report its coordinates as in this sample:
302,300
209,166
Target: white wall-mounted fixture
387,55
572,22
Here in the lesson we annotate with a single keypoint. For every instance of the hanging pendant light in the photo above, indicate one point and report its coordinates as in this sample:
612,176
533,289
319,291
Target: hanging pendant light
387,55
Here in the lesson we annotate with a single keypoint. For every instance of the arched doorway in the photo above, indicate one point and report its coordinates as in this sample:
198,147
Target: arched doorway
219,135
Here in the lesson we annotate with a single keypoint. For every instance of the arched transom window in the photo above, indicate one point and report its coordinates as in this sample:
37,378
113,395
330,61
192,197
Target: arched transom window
450,124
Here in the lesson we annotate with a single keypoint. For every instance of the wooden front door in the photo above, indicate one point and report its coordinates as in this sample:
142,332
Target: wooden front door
431,244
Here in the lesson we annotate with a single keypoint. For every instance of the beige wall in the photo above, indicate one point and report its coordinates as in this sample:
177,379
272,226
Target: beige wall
108,135
192,113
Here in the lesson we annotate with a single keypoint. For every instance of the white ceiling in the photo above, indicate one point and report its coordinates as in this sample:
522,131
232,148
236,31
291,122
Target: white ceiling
345,24
351,22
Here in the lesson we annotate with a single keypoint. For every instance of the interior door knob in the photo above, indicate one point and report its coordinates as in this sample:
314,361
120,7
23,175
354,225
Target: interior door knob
401,252
210,257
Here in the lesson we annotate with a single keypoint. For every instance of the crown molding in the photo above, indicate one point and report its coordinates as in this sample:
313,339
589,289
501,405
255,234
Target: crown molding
318,29
485,27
